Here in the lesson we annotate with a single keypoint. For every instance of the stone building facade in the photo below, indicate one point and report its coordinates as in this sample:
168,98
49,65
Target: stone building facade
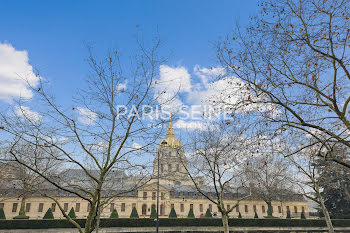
176,190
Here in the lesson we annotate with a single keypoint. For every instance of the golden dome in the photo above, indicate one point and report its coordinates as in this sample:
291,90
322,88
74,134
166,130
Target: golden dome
170,140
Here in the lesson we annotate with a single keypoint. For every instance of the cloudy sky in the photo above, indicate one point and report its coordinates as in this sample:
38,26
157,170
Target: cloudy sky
51,37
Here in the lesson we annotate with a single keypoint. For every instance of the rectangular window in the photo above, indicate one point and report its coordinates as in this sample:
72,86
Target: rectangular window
182,207
263,209
65,207
169,167
190,194
41,207
172,206
237,208
122,209
210,207
162,196
246,208
181,194
14,207
144,195
191,206
53,207
27,207
172,194
228,207
2,205
303,209
153,195
201,207
77,207
209,194
288,208
254,208
227,195
111,207
295,209
279,209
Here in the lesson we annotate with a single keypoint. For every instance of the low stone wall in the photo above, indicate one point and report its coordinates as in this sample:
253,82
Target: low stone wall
188,230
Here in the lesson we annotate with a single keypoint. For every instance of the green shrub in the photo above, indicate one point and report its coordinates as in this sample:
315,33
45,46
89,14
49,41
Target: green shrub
2,214
239,215
288,214
190,214
134,213
153,213
114,214
302,216
256,215
48,214
208,214
172,213
71,213
21,214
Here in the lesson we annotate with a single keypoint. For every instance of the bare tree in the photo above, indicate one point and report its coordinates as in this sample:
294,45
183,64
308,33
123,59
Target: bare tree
216,156
295,56
100,132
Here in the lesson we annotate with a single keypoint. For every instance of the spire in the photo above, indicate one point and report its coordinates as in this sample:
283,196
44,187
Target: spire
170,131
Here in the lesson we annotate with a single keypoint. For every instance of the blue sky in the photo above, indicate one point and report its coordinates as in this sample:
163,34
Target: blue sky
54,34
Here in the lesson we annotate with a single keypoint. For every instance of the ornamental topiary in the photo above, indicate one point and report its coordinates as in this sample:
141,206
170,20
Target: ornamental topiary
239,215
302,216
153,213
48,214
114,214
2,214
134,213
208,214
256,215
172,213
71,213
288,214
190,214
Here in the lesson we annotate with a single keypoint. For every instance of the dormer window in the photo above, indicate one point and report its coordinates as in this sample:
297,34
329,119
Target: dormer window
164,143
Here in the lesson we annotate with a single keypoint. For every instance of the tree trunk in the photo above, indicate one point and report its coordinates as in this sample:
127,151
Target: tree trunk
326,214
269,208
224,218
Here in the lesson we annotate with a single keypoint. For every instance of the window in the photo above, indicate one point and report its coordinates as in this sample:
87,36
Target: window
302,209
191,206
228,207
190,194
162,196
210,207
153,195
27,207
227,195
161,167
246,208
172,194
172,206
182,208
122,209
41,207
288,208
263,209
112,207
53,207
144,195
14,207
161,209
209,194
177,167
2,205
182,194
65,207
77,207
88,207
144,209
279,209
237,208
169,167
201,207
254,208
295,209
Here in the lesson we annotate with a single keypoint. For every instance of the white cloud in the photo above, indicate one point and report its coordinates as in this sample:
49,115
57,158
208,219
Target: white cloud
189,125
173,81
208,74
14,69
27,114
136,146
86,116
121,87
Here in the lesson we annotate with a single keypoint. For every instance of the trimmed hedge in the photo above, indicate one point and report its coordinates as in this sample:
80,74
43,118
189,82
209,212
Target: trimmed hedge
127,222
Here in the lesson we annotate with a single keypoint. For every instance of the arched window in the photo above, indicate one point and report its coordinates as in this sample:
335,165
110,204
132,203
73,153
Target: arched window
144,209
161,209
